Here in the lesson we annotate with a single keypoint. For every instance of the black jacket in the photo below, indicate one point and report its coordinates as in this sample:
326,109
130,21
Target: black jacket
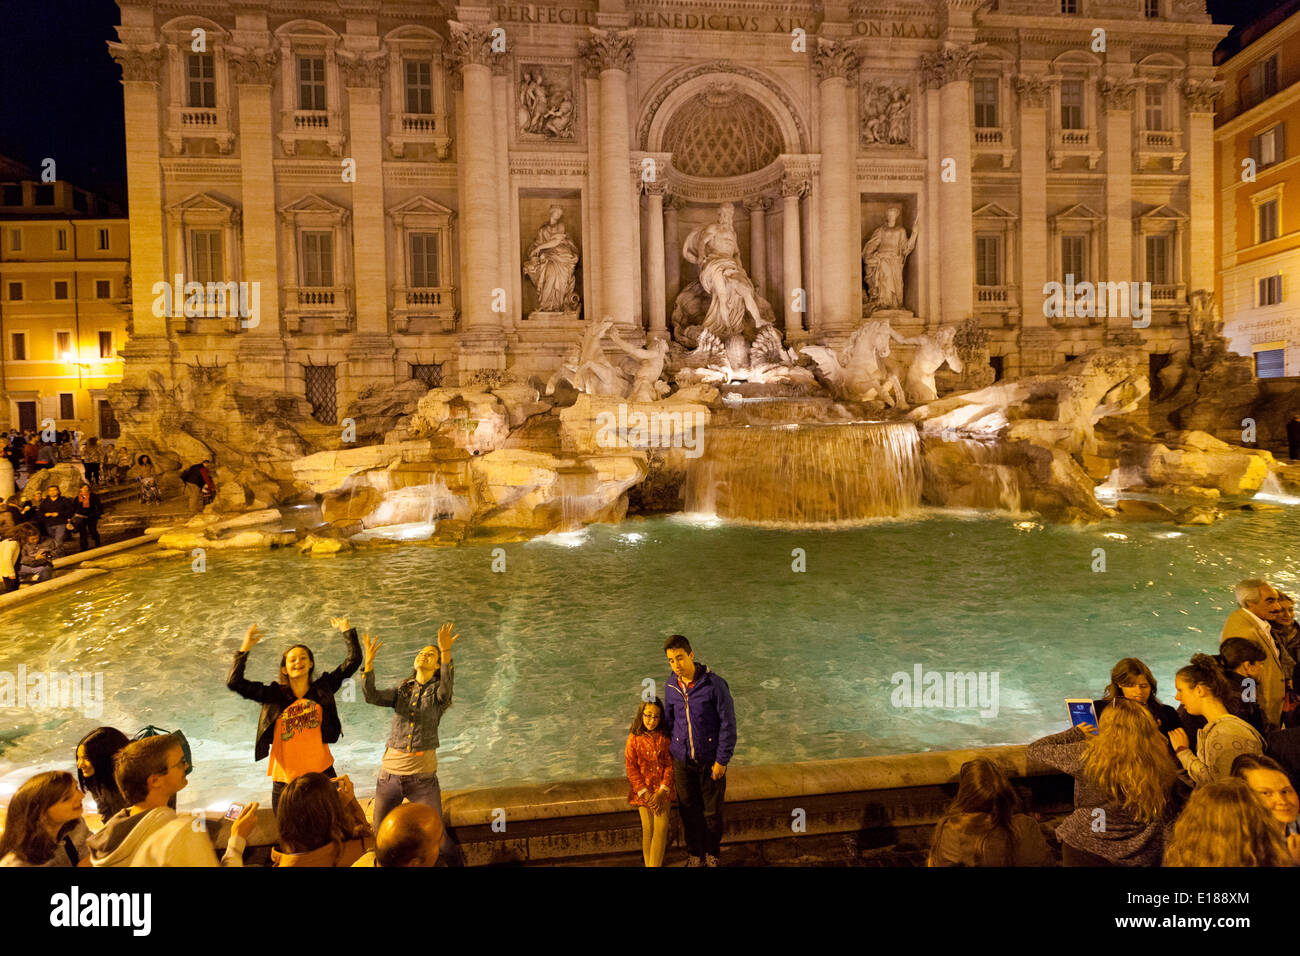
55,512
1165,715
274,698
91,511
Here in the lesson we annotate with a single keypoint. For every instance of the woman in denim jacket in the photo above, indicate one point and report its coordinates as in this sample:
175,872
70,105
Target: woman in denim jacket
410,765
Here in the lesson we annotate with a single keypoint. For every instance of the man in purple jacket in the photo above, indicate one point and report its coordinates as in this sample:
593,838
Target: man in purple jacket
702,718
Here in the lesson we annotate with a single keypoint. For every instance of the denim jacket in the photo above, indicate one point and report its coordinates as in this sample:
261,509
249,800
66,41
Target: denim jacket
417,708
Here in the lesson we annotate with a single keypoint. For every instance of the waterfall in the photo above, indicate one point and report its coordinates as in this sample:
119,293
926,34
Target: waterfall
817,474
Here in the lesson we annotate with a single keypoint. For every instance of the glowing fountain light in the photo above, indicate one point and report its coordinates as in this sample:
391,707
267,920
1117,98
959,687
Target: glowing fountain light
1115,536
632,537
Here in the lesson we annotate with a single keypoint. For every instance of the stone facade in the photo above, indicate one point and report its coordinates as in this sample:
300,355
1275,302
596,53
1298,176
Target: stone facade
1259,246
372,168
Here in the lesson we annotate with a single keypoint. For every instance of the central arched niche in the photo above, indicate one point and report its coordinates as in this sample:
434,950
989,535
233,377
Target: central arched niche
691,85
722,132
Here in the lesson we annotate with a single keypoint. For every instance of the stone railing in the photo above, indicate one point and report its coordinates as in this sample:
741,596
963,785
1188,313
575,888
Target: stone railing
199,122
995,140
321,125
305,120
1160,139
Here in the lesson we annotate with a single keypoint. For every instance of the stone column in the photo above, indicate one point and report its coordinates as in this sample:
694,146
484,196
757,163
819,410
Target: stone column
372,356
1035,94
758,244
362,77
141,71
654,193
1117,97
835,66
791,256
481,341
609,54
261,348
672,251
511,273
951,68
1200,96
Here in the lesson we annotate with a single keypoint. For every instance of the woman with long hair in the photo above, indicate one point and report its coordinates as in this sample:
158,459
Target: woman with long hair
320,823
1204,689
1130,679
650,777
983,825
43,825
1124,778
95,755
1272,786
1224,824
299,718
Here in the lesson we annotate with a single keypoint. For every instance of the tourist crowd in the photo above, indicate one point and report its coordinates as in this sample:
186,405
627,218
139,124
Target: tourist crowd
1206,784
680,749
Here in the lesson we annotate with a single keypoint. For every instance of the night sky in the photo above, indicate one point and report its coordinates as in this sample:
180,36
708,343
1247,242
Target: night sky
61,95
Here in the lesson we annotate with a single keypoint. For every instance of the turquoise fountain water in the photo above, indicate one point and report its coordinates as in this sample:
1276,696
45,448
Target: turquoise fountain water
555,648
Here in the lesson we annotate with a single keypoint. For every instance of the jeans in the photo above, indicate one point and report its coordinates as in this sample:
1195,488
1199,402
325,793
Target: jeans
699,801
37,572
58,531
417,788
277,788
87,527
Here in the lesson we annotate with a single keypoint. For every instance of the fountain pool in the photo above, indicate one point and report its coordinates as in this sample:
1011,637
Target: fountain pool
554,648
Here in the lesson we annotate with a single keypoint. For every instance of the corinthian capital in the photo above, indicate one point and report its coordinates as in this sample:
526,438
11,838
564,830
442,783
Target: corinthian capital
953,63
1201,94
363,72
834,59
1035,91
139,64
609,50
1118,94
254,67
476,44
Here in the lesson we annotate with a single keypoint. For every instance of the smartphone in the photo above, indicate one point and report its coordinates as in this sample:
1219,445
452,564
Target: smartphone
235,810
1082,711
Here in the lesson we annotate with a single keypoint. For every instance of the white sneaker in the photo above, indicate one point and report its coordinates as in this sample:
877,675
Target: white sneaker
711,860
694,861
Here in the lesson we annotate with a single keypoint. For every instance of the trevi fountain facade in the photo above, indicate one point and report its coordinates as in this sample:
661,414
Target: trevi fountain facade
518,268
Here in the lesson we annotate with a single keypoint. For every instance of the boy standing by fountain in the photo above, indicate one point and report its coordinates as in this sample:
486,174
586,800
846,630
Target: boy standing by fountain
701,717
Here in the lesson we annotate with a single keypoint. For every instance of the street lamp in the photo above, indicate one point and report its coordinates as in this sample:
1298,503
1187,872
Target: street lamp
72,360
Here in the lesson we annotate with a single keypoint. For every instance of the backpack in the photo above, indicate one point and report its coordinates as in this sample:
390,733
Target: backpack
152,731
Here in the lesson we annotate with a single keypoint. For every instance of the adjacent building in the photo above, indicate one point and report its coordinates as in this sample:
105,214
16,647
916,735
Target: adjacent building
1258,141
379,174
64,303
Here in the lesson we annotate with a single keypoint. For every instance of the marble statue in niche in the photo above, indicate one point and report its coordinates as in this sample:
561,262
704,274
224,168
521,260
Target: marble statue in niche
550,265
883,258
546,108
886,115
